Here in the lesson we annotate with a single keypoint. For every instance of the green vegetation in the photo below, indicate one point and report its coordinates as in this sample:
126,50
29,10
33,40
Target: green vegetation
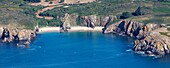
18,12
105,7
164,33
125,15
148,11
109,7
11,13
138,12
61,1
168,28
79,20
161,10
33,0
165,3
51,2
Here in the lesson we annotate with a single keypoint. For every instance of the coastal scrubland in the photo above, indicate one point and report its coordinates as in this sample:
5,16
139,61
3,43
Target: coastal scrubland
155,11
20,13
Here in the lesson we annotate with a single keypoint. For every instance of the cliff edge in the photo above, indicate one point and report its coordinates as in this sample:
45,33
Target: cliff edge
148,39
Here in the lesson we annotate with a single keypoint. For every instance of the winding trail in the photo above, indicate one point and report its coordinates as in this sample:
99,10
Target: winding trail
55,3
48,7
45,9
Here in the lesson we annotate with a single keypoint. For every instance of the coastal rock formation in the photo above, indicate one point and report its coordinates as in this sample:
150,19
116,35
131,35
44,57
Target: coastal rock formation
133,29
148,39
93,20
5,35
89,21
20,36
70,18
152,45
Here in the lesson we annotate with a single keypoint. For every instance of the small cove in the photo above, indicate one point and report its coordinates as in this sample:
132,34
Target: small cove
77,50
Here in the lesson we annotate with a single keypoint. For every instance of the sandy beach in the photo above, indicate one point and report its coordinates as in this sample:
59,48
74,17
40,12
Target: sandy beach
73,29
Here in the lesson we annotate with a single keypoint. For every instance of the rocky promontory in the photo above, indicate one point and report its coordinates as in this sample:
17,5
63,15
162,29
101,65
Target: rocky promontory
18,36
148,39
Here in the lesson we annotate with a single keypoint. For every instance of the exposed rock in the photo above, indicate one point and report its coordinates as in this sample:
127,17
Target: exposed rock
133,29
70,18
148,41
92,21
5,35
89,21
17,35
155,44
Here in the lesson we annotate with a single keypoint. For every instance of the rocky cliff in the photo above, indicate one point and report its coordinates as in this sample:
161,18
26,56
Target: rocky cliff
88,21
148,39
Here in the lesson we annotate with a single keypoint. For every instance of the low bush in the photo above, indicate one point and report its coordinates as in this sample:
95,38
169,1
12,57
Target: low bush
125,15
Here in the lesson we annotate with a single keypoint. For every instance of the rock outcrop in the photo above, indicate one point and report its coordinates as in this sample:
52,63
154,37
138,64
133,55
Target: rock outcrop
19,36
89,21
5,35
93,20
133,29
148,39
152,45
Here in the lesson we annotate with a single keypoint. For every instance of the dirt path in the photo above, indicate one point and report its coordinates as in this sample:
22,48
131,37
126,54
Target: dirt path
41,11
48,7
54,4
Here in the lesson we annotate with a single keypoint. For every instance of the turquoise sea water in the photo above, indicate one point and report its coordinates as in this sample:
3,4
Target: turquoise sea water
77,50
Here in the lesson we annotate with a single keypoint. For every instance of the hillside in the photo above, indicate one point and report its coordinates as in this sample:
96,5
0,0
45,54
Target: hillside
155,12
19,12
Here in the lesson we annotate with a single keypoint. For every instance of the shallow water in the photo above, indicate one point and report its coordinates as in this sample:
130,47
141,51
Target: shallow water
77,50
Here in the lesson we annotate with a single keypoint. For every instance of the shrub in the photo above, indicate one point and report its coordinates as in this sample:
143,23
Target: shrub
168,28
125,15
51,2
79,20
33,0
139,11
61,1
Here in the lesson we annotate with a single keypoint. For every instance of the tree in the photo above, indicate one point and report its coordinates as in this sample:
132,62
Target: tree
51,2
61,1
125,15
138,11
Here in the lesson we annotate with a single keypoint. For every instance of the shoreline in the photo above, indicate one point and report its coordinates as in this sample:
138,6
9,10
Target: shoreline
73,29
